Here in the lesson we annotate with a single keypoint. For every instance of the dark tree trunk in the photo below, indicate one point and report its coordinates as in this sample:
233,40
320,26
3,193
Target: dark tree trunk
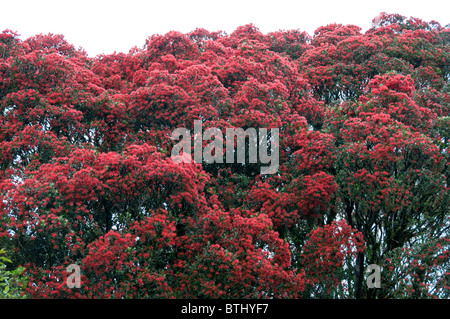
359,278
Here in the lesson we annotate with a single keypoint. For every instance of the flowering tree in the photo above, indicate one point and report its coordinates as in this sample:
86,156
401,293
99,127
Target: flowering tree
86,175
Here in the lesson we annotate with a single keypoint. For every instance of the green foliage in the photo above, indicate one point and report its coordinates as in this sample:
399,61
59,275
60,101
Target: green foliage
11,281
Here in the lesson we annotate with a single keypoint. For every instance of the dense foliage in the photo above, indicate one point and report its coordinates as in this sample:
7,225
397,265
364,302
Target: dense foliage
86,176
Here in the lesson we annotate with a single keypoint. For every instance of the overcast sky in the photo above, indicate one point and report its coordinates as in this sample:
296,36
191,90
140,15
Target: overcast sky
108,26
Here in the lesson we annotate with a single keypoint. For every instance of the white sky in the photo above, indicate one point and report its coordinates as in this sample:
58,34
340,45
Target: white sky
101,26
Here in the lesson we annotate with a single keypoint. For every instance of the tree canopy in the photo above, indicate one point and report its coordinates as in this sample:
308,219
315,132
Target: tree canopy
86,175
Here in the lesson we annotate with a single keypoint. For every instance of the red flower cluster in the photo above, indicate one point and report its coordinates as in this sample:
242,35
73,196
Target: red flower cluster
86,176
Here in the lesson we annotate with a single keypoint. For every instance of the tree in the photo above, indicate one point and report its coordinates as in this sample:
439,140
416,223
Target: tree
87,178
